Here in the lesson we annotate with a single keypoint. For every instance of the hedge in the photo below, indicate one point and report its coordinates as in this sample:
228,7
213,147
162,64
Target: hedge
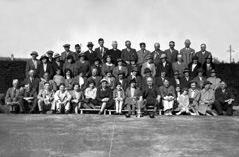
16,70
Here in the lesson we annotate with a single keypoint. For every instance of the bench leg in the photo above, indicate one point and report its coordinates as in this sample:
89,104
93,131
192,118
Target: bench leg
81,111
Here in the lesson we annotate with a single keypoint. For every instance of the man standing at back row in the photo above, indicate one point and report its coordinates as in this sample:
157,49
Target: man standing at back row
171,53
142,54
187,52
128,53
203,54
114,52
67,52
101,51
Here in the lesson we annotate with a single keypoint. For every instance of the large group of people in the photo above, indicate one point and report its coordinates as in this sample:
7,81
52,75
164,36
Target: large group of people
138,82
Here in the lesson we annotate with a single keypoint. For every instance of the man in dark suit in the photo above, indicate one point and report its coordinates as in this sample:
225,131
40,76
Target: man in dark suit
114,52
185,80
44,67
121,79
32,63
224,99
27,100
161,78
203,54
171,53
127,53
164,65
187,52
148,73
66,53
77,51
90,54
11,99
175,81
194,66
50,56
101,51
157,53
32,81
57,63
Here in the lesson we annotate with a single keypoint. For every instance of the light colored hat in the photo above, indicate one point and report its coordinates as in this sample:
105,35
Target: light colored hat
103,80
163,56
56,55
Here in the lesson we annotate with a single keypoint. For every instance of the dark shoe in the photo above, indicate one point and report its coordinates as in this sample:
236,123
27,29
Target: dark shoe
58,112
100,113
67,112
31,112
22,112
127,115
121,113
116,113
41,112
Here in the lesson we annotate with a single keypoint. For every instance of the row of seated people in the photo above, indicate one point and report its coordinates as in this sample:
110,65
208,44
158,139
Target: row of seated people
194,100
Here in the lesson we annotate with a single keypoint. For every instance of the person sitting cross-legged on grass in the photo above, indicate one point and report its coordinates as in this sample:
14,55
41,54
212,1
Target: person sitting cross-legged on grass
45,98
132,96
118,96
104,96
11,98
77,97
62,99
90,95
183,101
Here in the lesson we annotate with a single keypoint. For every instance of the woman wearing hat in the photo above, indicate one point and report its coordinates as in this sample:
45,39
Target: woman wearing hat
70,64
207,66
120,68
215,81
148,74
168,95
175,81
134,75
108,65
164,65
185,80
122,80
207,100
194,66
110,79
57,63
200,79
132,95
83,65
32,63
104,96
44,67
132,65
98,65
150,65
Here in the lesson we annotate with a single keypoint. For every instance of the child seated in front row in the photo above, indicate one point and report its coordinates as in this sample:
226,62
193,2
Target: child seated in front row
118,96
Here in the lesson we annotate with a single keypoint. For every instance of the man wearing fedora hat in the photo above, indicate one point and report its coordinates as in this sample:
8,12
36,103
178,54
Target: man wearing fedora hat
171,52
187,52
120,68
128,52
203,54
185,79
164,65
101,50
33,63
157,53
67,52
142,54
200,78
57,63
150,65
114,52
194,66
134,75
90,54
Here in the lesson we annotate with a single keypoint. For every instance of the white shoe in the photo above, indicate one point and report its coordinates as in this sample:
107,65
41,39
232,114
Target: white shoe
193,114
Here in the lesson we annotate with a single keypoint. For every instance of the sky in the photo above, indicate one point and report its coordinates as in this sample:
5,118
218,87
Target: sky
42,25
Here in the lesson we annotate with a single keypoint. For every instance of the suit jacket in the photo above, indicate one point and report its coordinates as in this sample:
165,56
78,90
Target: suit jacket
197,95
52,85
166,91
123,69
144,82
171,56
202,57
56,66
91,56
136,93
159,81
106,67
179,67
125,55
145,92
151,67
168,68
34,85
96,79
124,83
83,67
108,93
66,96
82,84
156,56
222,96
187,55
101,55
207,69
185,82
23,93
173,82
11,95
142,56
193,73
64,56
115,54
30,66
40,71
200,82
138,81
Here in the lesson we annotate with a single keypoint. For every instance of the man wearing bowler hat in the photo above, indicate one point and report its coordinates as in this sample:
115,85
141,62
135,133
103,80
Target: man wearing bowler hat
187,52
90,54
67,52
33,63
164,65
142,54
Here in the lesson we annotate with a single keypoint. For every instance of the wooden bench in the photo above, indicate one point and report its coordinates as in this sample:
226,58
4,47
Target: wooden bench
150,110
89,110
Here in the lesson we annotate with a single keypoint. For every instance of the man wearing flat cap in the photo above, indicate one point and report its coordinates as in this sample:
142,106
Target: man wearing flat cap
194,66
129,52
32,63
114,52
203,54
67,52
164,65
171,52
90,54
50,56
101,50
187,52
142,54
157,53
